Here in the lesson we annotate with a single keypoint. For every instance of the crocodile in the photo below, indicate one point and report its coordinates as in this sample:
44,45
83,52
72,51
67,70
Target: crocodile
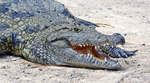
45,32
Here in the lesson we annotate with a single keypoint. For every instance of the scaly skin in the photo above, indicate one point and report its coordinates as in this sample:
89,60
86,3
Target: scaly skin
45,32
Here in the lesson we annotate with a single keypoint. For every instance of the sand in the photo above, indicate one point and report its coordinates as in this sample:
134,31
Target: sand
131,18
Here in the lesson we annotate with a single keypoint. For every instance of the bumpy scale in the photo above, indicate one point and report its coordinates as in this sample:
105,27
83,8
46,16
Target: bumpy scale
45,32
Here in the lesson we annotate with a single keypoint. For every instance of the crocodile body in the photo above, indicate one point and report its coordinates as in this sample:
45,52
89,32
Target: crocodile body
44,31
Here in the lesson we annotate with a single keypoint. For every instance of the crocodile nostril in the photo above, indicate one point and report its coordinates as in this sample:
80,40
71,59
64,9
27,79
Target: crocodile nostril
118,38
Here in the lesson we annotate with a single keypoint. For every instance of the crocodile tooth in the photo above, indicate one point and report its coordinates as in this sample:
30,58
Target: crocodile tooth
105,59
86,44
83,45
95,47
88,54
80,45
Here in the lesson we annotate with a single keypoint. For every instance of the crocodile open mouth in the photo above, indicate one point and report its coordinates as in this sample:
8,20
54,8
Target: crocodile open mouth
88,49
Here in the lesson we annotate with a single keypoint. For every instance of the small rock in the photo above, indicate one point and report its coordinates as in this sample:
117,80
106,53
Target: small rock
125,34
29,65
17,78
34,67
126,62
40,69
3,67
143,44
138,65
109,8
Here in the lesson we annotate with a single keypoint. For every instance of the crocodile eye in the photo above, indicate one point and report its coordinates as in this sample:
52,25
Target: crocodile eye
77,29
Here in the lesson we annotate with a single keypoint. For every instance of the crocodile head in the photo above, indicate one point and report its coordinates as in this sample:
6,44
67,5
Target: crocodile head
84,47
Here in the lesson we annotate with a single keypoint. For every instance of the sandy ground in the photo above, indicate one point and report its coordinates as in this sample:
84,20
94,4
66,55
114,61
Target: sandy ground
128,17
